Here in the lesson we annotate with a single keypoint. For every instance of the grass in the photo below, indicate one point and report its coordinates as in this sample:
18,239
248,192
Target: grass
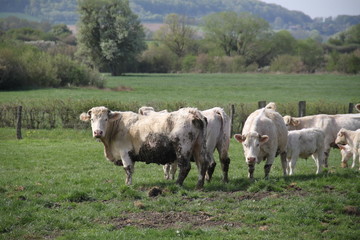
57,184
214,89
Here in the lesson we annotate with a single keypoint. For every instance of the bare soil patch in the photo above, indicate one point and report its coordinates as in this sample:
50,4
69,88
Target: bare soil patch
165,220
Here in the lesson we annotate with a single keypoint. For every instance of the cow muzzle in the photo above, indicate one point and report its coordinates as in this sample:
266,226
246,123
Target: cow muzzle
98,133
251,160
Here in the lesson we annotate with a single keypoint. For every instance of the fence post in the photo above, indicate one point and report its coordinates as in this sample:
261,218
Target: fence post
302,108
261,104
351,107
232,114
18,122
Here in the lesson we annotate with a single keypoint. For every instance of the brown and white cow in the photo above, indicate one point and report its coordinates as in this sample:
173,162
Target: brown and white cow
263,137
305,143
129,137
217,137
351,138
330,124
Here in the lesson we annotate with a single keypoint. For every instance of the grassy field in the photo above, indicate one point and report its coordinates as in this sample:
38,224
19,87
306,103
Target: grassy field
57,184
214,89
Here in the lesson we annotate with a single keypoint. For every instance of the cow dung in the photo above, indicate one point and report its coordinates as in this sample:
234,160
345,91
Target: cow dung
155,191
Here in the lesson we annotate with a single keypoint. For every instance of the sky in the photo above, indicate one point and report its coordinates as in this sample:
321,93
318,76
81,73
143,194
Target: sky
321,8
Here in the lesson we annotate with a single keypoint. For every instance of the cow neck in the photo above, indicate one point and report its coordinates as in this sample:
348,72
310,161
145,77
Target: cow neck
110,135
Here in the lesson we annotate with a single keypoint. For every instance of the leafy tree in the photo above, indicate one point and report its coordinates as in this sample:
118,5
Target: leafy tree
110,34
311,53
241,34
177,34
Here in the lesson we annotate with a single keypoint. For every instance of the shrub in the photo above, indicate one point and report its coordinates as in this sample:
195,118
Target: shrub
287,64
25,66
188,63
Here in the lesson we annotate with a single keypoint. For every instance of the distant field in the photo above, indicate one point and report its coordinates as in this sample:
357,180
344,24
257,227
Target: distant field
215,89
56,184
19,15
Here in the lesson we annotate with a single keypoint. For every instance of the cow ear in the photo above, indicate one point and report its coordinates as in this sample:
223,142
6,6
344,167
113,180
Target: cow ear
264,138
113,116
85,116
295,123
357,106
239,138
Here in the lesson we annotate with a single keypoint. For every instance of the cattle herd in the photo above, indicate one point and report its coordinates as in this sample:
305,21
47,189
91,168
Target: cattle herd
174,139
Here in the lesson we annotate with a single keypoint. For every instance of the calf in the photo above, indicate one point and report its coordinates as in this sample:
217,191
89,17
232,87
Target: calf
330,124
303,143
264,136
346,154
351,138
129,137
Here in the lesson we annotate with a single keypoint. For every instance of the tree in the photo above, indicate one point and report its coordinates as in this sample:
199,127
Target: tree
110,34
311,53
242,34
176,34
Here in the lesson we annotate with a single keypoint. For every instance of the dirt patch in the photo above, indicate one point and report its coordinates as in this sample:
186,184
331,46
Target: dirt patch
165,220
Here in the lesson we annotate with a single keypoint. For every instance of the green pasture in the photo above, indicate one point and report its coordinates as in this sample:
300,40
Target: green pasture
213,89
56,184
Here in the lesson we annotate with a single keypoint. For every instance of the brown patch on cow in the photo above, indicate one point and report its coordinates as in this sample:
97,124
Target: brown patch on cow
154,192
166,220
157,148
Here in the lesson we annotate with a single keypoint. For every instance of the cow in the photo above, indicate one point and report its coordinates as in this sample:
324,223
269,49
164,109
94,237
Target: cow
305,143
129,137
264,136
351,138
330,124
217,137
346,154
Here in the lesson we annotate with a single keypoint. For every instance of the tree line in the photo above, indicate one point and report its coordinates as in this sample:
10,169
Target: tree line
112,39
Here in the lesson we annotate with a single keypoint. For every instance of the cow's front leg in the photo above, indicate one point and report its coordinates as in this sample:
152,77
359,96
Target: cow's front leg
268,165
284,163
129,167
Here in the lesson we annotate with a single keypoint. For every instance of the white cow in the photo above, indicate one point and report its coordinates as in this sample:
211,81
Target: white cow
330,124
303,143
346,154
129,137
217,137
263,137
351,138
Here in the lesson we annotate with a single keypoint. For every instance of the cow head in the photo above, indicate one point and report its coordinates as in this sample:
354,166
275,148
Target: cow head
291,123
251,144
100,118
341,138
357,106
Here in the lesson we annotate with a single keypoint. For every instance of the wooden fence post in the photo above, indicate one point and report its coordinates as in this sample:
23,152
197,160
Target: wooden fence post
302,108
261,104
351,107
232,114
18,122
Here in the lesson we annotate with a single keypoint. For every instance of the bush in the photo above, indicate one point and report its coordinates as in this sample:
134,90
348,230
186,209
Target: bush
25,66
287,64
188,63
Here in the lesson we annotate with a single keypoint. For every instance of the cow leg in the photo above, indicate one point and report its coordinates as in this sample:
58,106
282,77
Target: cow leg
225,162
292,165
172,171
166,169
355,156
129,170
269,163
326,153
211,167
284,163
317,158
184,168
251,169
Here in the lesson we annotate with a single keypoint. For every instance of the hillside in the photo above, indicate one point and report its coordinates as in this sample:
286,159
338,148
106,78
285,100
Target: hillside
154,11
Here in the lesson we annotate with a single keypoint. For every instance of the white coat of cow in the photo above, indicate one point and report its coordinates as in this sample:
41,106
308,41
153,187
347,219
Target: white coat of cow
305,143
351,138
129,137
330,124
346,154
217,137
263,137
